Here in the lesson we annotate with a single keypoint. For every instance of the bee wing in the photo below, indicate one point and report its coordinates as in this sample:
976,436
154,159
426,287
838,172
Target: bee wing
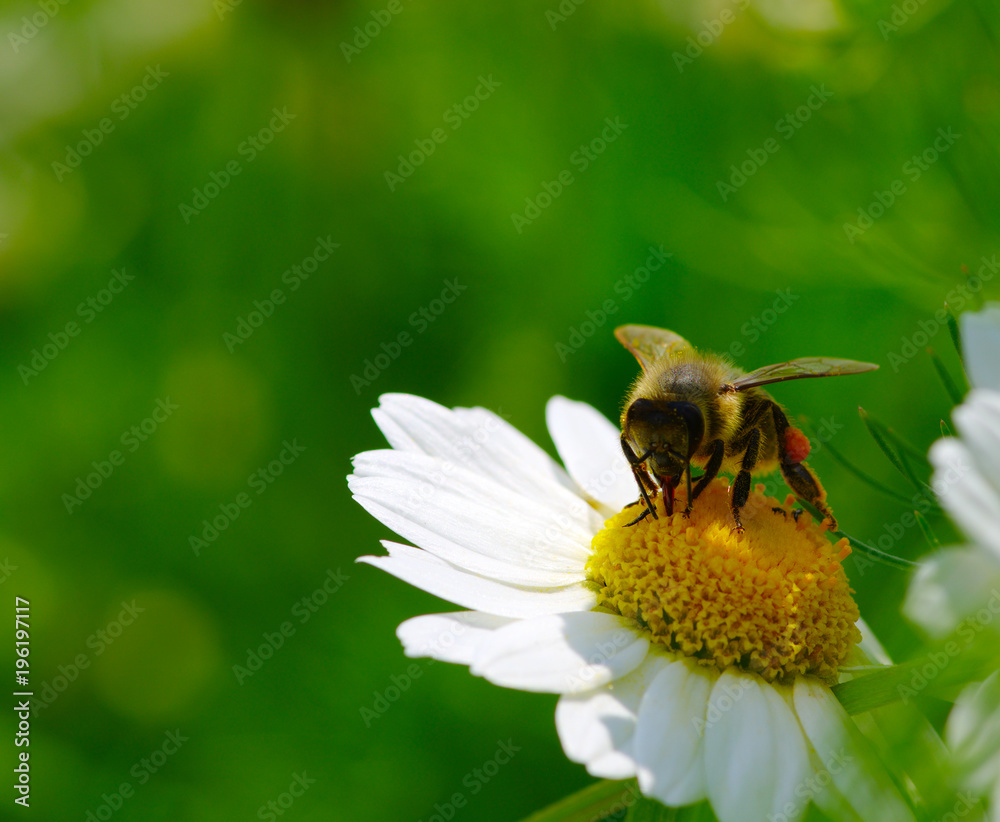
648,343
799,369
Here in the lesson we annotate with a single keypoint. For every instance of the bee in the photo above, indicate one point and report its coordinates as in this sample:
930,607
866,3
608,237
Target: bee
689,407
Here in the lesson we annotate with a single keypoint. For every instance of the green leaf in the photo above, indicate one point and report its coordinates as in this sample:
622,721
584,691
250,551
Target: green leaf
945,429
942,372
649,810
966,656
593,802
870,691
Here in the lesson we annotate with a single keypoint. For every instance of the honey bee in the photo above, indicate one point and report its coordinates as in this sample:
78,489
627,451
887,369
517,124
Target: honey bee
687,407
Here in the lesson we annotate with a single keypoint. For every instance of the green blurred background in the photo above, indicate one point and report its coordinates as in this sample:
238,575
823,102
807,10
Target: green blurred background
99,174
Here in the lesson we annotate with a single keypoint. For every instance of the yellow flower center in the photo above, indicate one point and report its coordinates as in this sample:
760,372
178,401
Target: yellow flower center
773,600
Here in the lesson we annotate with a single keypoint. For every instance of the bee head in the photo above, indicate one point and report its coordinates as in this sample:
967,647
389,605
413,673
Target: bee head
670,432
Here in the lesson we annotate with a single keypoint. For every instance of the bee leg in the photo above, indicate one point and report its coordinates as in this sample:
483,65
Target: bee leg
711,470
642,478
798,475
640,518
805,484
741,487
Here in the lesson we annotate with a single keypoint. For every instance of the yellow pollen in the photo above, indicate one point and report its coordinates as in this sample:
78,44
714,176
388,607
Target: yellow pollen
773,600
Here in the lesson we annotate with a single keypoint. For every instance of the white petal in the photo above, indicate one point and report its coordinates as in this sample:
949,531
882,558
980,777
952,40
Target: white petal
827,797
948,586
450,637
981,346
794,767
870,646
693,786
590,446
668,745
755,754
521,570
597,727
447,582
994,803
965,493
593,728
562,653
740,786
976,707
414,494
395,434
494,555
474,438
973,732
509,451
978,422
849,763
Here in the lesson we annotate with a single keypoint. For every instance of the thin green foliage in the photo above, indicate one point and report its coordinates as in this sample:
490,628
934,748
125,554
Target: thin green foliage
925,528
876,555
954,393
882,436
904,445
861,475
956,338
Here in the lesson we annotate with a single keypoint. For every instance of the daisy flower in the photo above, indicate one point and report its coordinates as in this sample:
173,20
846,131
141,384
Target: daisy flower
688,656
957,589
972,732
964,582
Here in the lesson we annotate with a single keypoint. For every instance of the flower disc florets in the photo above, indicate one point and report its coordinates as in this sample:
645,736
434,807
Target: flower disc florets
773,600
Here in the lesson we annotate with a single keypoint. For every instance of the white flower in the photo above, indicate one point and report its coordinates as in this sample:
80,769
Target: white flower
972,733
962,582
507,533
957,589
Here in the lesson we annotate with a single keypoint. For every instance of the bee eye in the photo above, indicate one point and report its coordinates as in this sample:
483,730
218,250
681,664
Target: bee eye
649,412
665,417
694,420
